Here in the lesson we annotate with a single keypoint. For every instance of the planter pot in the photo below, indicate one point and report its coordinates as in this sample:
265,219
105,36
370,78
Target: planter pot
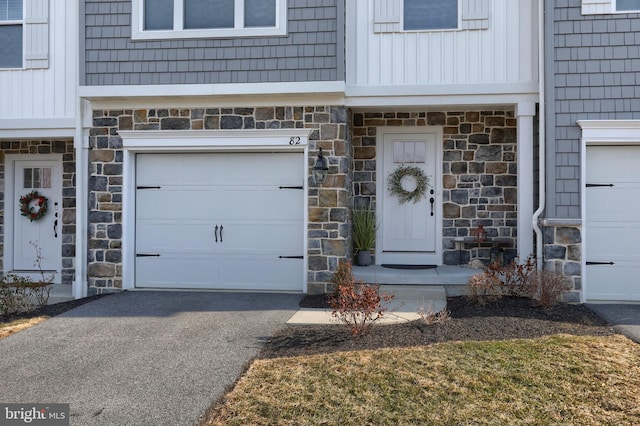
363,258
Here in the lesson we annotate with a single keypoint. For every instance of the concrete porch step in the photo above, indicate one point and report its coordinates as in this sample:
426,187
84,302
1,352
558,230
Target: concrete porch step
60,293
453,278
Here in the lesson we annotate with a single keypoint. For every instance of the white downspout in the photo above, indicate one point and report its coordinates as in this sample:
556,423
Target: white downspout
79,283
542,196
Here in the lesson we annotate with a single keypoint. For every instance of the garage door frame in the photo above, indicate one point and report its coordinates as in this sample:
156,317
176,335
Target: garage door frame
600,133
205,141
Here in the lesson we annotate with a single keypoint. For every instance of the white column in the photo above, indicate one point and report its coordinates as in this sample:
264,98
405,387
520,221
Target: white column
524,113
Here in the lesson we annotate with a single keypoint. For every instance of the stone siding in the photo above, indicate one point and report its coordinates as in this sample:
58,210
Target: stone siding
479,167
68,231
562,253
329,235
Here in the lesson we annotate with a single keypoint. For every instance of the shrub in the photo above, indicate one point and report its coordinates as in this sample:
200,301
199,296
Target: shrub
355,304
546,287
430,316
516,279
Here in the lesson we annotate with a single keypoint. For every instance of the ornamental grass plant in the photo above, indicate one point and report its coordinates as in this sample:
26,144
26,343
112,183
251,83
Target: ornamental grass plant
364,228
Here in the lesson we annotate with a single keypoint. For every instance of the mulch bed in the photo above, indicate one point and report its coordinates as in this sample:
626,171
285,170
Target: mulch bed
49,310
507,318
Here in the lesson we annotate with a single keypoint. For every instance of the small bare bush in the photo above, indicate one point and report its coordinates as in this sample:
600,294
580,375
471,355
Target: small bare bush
356,304
497,280
430,316
546,287
484,287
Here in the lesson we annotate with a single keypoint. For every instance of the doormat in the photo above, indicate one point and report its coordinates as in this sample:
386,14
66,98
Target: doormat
400,266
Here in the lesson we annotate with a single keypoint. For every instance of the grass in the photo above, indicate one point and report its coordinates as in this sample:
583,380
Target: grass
559,379
7,329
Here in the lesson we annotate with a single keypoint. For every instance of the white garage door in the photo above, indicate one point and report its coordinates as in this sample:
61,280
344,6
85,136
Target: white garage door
220,221
613,223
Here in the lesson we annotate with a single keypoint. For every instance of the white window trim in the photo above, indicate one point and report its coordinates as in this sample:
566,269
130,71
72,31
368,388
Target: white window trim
178,32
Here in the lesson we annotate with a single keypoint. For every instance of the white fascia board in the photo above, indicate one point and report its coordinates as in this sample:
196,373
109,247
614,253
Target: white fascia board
209,90
442,89
441,102
612,131
47,128
215,140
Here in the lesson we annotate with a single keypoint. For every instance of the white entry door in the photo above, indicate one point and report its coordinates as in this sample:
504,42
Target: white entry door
44,177
220,221
612,223
409,230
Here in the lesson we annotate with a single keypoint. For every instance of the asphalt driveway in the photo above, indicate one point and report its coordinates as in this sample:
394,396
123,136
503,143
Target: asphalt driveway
141,358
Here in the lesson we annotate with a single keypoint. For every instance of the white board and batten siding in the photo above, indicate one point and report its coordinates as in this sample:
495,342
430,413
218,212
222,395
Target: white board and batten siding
44,88
496,44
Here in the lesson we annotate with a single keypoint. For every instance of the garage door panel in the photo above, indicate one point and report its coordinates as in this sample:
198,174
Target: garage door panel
239,192
613,223
159,235
177,270
616,282
240,274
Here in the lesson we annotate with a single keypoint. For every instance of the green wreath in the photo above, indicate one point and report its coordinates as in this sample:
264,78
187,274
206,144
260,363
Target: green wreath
404,196
33,205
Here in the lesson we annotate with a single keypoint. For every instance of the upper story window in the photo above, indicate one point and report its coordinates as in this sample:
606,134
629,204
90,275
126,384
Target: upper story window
627,5
166,19
11,33
395,16
430,14
603,7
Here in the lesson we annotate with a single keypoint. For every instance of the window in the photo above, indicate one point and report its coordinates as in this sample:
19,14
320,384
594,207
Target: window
161,19
603,7
37,178
627,5
430,14
10,33
395,16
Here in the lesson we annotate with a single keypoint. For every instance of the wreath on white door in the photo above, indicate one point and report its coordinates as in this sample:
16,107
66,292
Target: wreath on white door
33,205
397,180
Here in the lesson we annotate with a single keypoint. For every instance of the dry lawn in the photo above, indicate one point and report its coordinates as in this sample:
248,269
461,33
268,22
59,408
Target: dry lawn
553,380
18,325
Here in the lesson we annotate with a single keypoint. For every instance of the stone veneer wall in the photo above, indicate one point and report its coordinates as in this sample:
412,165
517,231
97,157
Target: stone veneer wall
329,235
563,253
479,179
68,231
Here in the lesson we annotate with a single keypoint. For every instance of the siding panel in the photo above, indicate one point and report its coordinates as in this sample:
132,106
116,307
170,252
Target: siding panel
596,72
309,52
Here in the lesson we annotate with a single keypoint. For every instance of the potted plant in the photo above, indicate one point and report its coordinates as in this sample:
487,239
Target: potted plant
364,230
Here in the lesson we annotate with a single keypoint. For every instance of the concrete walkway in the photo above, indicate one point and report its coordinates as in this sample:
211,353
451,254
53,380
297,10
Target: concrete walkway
408,304
141,358
625,318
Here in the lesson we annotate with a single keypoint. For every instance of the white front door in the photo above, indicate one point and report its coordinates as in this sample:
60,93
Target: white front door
220,221
612,223
44,177
409,230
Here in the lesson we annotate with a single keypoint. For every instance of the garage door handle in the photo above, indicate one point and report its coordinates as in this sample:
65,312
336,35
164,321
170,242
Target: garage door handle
595,185
600,263
215,232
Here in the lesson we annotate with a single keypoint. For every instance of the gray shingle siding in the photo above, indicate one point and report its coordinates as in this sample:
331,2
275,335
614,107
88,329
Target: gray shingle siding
312,50
596,75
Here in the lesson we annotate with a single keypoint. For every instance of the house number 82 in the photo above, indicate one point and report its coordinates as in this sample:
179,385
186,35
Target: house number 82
294,140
